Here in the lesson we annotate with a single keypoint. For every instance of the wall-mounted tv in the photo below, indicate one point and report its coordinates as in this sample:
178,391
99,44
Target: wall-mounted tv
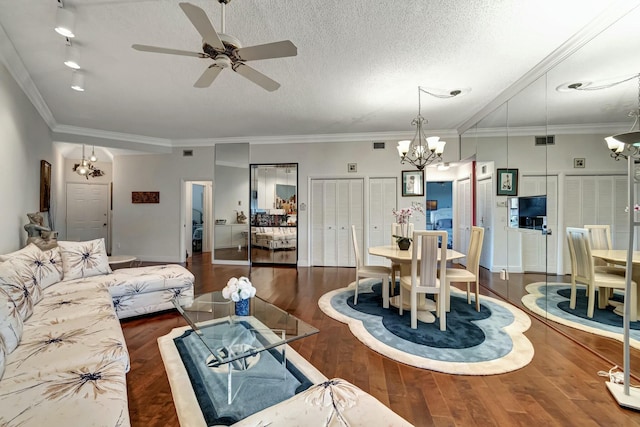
533,206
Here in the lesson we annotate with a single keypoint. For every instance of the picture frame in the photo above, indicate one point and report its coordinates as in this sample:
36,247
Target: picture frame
45,186
579,162
507,182
412,183
145,197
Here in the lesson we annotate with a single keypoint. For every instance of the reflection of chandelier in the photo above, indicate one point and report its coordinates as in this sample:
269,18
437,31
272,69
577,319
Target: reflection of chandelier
421,151
628,143
86,168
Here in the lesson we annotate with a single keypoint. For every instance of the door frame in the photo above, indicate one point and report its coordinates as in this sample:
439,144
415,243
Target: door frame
186,191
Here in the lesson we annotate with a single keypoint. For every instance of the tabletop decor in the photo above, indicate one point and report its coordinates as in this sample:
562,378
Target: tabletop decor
402,218
239,291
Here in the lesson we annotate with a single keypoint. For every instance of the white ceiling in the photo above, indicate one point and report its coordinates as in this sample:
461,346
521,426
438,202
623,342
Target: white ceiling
358,66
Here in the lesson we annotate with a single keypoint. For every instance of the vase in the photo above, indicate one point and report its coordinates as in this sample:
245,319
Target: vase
403,244
242,307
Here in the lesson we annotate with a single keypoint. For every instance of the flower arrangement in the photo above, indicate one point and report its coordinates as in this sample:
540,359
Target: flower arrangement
403,215
238,289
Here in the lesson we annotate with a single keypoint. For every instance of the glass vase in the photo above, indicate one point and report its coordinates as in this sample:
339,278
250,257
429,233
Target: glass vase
242,307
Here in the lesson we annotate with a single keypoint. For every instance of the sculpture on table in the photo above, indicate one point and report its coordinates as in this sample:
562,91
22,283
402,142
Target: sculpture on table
38,233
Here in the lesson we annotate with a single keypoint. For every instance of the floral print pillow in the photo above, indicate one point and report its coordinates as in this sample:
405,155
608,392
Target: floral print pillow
17,280
25,253
84,259
10,324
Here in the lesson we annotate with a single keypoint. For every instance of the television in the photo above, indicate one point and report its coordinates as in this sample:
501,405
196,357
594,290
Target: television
533,206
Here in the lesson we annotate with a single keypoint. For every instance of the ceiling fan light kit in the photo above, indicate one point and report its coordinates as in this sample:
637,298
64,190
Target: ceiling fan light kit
225,50
627,144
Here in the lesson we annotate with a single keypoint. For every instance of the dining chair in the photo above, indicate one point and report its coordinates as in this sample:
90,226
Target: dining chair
470,272
368,271
583,271
600,238
428,275
396,230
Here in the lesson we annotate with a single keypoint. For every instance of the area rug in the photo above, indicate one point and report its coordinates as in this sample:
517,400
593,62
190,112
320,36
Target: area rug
188,398
551,300
475,343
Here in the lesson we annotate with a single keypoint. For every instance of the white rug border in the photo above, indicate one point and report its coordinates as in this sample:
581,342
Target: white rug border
184,398
530,301
511,362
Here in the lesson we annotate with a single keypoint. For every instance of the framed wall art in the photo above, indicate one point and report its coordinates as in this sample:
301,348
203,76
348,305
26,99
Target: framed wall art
507,182
412,183
45,185
145,197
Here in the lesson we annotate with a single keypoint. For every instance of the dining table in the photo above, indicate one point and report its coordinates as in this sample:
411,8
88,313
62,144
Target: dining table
619,257
404,258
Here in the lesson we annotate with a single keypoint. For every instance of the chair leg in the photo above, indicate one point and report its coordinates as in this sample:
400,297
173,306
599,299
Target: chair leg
385,292
634,303
443,313
468,293
401,304
447,292
572,300
414,310
477,296
393,280
355,297
591,291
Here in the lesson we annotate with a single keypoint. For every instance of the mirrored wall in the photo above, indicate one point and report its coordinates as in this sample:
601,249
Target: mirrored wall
549,140
274,214
231,203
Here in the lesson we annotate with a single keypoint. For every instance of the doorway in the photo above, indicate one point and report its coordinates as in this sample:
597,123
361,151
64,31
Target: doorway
88,212
439,208
198,216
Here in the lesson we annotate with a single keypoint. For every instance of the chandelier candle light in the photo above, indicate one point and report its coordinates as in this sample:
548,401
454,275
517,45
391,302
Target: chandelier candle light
239,291
421,151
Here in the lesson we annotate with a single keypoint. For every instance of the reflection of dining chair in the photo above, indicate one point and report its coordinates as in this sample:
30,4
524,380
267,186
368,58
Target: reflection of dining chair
600,238
397,230
364,271
470,273
583,271
426,276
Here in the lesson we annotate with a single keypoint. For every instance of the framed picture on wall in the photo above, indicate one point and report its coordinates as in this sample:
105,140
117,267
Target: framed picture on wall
507,182
45,185
412,183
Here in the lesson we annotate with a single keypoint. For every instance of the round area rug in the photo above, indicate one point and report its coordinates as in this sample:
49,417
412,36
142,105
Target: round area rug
475,343
551,301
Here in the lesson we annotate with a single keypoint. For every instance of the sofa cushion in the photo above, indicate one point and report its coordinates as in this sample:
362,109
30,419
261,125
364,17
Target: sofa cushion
25,253
90,394
62,303
10,323
18,280
84,259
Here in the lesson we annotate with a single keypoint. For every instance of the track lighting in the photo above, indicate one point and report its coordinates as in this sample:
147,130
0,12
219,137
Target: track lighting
77,81
72,56
65,22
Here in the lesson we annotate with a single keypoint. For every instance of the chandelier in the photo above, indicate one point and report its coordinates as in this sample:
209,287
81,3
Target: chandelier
86,168
422,150
627,144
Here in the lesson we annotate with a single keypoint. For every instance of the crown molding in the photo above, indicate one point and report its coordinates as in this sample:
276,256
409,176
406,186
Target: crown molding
309,139
118,136
18,71
590,129
604,20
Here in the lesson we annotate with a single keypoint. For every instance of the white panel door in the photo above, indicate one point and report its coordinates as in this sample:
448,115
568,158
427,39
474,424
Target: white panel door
330,223
343,223
464,216
382,201
87,212
317,222
356,218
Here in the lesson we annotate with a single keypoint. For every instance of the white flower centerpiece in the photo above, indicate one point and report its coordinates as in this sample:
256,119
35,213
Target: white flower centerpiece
402,217
239,290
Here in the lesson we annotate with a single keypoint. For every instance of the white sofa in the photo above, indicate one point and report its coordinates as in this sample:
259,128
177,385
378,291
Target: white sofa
274,237
63,357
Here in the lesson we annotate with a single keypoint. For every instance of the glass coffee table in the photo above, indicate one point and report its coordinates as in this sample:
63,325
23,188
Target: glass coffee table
235,343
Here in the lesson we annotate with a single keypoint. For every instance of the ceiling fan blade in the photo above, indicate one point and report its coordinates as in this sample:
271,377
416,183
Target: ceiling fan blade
154,49
256,76
200,20
208,76
267,51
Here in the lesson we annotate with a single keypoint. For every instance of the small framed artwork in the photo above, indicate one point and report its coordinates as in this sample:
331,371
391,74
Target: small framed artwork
578,163
507,182
352,167
145,197
45,185
412,183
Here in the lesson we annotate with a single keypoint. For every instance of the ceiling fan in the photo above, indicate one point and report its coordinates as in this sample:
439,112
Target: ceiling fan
226,51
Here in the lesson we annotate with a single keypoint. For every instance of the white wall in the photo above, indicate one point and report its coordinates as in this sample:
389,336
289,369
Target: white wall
24,141
231,187
152,231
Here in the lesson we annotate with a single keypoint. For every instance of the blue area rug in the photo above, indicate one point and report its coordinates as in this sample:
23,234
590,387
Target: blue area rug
551,300
210,384
475,343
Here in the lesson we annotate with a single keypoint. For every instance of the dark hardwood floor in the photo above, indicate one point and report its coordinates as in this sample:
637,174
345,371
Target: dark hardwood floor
560,387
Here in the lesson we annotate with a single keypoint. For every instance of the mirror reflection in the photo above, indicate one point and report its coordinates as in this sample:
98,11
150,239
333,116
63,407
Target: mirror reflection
274,213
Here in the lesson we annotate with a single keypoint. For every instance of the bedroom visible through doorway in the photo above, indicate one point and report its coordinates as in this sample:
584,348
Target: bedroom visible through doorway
439,208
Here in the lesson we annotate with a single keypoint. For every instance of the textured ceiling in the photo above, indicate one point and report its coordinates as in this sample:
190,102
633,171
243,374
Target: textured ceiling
358,67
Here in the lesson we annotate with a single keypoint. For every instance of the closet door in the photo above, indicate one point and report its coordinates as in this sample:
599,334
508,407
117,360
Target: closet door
485,220
317,222
464,215
382,200
343,222
330,223
356,218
